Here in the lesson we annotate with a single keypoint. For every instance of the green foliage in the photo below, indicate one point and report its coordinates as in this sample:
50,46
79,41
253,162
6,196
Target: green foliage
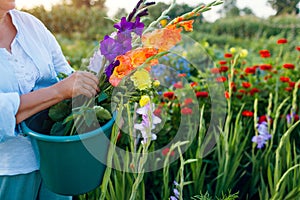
285,6
89,22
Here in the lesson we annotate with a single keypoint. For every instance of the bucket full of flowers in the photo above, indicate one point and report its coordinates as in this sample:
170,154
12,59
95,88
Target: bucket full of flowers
72,137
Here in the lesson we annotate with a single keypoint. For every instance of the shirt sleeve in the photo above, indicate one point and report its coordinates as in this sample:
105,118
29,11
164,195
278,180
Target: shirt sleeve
59,61
9,105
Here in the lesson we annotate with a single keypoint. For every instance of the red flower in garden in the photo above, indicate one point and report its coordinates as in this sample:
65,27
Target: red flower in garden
288,89
253,91
267,77
170,95
226,94
221,79
298,48
222,62
188,101
202,94
265,53
242,91
284,79
292,84
282,41
265,67
157,112
246,84
193,84
186,111
247,113
178,85
166,151
224,68
289,66
250,70
182,75
264,118
227,55
233,86
214,70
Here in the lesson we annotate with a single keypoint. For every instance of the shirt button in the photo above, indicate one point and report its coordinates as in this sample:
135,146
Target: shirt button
16,60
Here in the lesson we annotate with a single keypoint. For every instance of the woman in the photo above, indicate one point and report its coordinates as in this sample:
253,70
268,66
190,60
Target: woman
30,59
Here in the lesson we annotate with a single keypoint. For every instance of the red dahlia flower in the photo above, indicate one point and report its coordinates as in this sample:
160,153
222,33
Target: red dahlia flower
247,113
282,41
289,66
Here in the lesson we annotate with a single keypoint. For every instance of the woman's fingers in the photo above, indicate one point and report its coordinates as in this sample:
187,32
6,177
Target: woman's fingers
79,83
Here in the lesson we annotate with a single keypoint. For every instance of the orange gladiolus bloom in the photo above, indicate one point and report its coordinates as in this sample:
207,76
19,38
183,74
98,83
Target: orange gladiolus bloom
162,39
124,68
187,25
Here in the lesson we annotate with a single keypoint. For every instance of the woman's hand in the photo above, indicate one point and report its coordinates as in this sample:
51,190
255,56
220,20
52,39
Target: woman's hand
78,83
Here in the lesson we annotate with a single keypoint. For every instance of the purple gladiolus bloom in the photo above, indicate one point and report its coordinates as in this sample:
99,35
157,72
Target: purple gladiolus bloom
147,125
110,68
263,136
260,140
125,26
110,48
138,27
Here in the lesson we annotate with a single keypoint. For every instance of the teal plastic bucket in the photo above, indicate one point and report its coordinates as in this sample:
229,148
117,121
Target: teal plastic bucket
69,165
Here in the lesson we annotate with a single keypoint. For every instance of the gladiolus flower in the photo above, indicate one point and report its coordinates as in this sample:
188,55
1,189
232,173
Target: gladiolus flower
193,84
202,94
233,86
163,39
141,79
226,94
263,136
247,113
282,41
289,66
144,100
298,48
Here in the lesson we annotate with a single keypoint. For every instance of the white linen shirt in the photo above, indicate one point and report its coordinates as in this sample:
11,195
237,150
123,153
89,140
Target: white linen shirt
34,63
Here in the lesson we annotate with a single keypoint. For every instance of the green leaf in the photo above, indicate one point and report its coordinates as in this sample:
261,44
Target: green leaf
102,96
58,129
102,113
59,111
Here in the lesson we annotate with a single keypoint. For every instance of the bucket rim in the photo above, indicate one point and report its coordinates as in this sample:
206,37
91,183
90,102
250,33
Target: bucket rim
52,138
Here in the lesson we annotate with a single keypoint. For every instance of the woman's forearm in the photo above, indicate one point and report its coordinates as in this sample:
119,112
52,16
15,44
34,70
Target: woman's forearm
37,101
78,83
